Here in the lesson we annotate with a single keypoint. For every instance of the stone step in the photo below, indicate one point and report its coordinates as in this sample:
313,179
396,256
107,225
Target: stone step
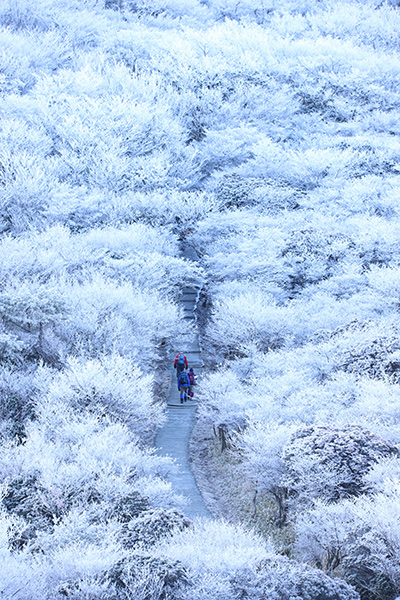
188,299
186,404
189,292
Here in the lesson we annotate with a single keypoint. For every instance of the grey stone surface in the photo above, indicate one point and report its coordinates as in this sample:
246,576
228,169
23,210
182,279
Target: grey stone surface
173,438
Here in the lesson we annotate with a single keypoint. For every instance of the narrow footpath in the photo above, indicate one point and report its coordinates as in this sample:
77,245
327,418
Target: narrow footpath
173,439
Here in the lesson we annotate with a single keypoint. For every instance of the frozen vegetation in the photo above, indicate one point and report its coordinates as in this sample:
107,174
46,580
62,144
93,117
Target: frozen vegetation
268,130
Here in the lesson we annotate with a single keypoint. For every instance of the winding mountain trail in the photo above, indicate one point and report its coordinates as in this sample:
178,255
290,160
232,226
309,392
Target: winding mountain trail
173,438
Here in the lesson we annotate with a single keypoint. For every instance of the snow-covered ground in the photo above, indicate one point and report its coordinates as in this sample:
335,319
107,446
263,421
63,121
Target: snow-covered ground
265,136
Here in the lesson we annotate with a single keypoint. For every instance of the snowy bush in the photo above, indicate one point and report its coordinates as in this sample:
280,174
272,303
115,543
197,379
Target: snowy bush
356,539
263,449
328,463
214,546
312,255
283,579
17,393
113,386
237,563
150,526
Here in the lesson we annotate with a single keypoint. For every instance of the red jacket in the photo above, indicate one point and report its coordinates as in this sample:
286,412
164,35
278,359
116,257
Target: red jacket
176,360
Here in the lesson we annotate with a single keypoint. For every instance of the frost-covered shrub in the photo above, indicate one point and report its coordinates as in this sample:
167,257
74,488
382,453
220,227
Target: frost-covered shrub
87,588
21,15
12,349
31,312
23,54
244,320
63,293
98,315
367,349
235,191
67,456
150,526
311,255
148,578
138,253
287,580
358,539
17,400
27,185
329,463
255,318
110,316
214,546
126,508
39,506
76,484
113,386
223,403
262,448
17,565
323,533
224,561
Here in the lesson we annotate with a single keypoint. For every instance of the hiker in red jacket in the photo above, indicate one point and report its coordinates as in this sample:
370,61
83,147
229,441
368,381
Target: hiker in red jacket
180,363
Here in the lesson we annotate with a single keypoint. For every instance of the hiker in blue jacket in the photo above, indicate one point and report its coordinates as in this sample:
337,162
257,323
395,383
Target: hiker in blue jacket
183,386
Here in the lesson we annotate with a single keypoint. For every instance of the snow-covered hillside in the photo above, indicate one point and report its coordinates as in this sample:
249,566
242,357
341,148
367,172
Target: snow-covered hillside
266,134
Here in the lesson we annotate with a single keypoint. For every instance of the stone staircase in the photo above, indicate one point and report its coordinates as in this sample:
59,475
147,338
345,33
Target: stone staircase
173,439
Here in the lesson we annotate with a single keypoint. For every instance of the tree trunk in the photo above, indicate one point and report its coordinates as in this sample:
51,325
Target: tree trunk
222,434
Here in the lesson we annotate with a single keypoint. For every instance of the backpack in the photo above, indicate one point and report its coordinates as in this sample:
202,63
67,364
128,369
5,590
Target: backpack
183,379
191,378
181,359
